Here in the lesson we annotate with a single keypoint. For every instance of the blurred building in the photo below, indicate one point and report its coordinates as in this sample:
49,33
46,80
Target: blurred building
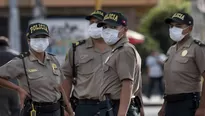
133,9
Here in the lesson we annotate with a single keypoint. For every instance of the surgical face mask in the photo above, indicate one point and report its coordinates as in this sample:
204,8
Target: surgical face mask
176,33
110,36
39,44
94,32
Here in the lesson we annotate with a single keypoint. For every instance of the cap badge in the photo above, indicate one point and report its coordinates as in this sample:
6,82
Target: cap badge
111,16
179,15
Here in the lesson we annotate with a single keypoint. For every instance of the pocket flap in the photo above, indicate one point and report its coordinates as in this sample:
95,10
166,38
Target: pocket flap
85,60
182,59
105,68
35,75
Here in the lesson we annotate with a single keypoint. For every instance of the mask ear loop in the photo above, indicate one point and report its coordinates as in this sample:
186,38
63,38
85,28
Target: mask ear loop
185,29
119,33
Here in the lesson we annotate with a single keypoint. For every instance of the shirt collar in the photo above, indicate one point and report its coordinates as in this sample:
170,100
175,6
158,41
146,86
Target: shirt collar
32,57
188,43
120,43
89,43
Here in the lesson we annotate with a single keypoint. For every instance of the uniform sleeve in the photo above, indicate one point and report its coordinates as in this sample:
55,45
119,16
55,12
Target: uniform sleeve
200,58
67,65
126,64
12,69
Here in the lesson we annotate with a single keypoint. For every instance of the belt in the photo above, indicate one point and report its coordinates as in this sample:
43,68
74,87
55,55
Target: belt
103,104
46,107
181,97
89,101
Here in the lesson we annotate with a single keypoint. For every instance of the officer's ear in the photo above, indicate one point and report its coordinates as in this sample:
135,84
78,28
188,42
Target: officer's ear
126,29
191,28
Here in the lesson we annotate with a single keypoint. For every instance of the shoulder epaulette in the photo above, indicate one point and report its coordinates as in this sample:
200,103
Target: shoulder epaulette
79,43
74,45
119,47
23,55
198,42
50,54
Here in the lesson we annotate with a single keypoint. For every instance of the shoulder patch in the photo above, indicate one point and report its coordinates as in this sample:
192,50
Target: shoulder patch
119,47
23,55
66,56
74,45
198,42
79,43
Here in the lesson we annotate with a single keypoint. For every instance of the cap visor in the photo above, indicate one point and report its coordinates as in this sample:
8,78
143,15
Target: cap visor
107,23
39,33
171,20
93,16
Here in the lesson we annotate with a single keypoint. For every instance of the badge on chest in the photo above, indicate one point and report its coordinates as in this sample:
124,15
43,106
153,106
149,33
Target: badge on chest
55,69
184,53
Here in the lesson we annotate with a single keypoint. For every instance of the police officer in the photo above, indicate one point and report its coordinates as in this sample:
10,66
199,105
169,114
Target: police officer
8,98
39,75
87,58
182,70
122,68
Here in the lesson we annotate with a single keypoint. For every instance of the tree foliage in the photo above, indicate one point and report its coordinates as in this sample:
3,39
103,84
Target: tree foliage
155,30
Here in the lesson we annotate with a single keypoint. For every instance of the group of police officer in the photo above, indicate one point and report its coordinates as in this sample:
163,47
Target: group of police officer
101,76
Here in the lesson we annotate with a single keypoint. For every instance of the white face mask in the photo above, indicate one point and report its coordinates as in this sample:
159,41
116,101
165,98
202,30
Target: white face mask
94,32
110,36
175,33
39,44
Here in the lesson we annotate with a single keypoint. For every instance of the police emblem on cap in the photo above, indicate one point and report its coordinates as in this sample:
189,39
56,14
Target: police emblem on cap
99,14
111,17
178,15
37,29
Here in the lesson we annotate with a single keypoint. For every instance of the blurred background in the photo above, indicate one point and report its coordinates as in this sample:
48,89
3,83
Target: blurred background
66,22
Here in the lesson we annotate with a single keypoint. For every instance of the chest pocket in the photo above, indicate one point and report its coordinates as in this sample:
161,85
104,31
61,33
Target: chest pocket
85,65
106,68
182,60
35,75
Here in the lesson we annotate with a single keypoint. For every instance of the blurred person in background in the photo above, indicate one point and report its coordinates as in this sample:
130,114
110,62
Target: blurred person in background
9,99
155,74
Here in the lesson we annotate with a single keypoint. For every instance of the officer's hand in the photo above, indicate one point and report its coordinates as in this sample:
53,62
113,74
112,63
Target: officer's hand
65,113
70,110
200,112
22,95
68,114
142,112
